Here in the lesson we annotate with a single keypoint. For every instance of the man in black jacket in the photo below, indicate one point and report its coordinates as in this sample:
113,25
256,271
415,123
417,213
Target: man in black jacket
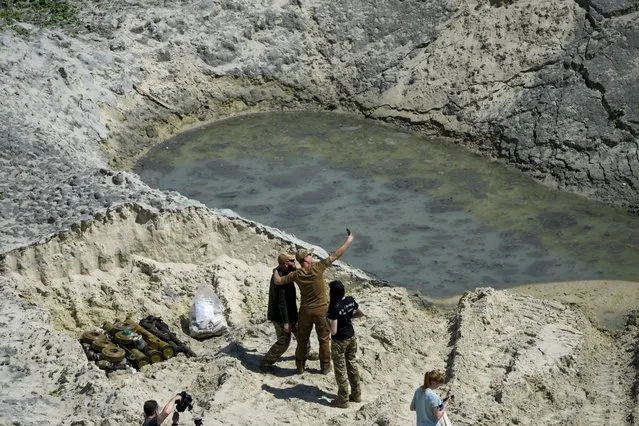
282,311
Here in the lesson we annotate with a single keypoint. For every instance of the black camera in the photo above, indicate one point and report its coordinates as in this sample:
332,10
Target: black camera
185,402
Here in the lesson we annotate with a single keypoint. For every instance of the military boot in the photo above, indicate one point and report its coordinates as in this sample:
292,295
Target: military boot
312,356
355,397
339,403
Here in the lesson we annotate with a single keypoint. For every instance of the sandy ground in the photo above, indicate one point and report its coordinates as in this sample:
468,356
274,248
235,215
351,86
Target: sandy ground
510,358
606,302
82,241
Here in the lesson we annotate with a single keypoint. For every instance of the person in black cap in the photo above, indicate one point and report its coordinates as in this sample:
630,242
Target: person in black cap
313,302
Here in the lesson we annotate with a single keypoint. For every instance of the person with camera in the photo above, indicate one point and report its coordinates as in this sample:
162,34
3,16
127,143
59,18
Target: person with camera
313,302
282,311
430,409
155,417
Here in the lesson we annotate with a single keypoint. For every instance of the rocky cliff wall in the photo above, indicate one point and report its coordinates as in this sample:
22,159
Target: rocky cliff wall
546,86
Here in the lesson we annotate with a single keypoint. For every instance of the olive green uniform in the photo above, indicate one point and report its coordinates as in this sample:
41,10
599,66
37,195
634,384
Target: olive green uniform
313,307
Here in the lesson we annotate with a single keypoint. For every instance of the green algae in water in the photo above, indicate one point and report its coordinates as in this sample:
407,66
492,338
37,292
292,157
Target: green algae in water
426,214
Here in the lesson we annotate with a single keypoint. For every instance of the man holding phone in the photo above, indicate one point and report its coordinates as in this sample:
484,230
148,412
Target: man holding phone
313,302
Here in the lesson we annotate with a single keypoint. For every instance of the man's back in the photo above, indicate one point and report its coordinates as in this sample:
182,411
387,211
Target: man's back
310,281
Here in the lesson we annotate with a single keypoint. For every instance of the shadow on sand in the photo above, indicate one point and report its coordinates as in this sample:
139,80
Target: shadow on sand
306,393
251,360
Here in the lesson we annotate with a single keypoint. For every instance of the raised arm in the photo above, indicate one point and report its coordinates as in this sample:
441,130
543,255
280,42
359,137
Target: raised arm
286,279
341,249
168,409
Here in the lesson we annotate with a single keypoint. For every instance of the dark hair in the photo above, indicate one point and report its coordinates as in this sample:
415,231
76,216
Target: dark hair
336,291
150,407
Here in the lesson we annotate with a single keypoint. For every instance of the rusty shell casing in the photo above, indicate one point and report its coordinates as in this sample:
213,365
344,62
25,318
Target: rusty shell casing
137,357
153,341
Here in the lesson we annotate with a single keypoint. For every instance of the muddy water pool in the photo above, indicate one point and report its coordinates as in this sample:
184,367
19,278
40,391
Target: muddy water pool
427,215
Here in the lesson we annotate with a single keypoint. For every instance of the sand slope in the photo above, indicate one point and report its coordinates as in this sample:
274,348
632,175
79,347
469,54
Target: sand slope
510,358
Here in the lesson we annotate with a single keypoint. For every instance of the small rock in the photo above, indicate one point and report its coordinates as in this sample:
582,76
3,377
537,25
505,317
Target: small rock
117,46
223,378
151,132
118,179
163,55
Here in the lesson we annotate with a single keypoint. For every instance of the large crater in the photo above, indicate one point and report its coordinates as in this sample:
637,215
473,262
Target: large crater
543,86
534,84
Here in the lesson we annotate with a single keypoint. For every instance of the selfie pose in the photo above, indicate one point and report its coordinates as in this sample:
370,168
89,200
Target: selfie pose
313,302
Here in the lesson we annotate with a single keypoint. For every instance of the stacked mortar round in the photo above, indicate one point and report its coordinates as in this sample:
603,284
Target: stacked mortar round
119,348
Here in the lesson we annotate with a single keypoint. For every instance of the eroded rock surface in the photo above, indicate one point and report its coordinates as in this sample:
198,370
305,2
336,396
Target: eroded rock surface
548,86
515,355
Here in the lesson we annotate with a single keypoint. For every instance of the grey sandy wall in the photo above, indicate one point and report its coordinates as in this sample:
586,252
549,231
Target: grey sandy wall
546,86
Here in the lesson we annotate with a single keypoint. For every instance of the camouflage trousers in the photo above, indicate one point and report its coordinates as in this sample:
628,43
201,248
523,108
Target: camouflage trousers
281,345
344,354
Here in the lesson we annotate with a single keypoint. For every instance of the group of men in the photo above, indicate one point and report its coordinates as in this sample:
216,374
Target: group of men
282,306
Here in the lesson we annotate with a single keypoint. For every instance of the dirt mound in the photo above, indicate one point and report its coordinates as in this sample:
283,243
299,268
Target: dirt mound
506,355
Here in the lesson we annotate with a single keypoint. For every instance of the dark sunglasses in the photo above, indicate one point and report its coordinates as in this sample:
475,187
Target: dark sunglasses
291,260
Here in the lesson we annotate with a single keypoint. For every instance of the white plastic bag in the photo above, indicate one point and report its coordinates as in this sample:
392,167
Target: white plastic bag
444,421
207,314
